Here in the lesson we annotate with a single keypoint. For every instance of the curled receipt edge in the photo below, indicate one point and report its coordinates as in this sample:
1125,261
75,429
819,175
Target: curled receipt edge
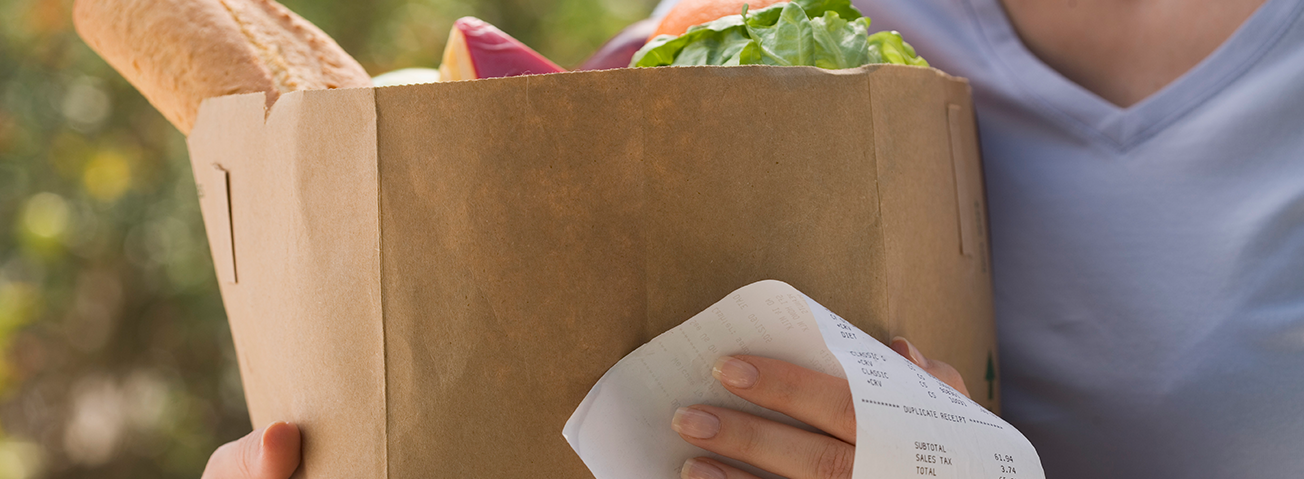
908,423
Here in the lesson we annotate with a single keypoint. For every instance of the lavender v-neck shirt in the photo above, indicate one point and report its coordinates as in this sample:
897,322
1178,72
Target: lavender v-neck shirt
1148,261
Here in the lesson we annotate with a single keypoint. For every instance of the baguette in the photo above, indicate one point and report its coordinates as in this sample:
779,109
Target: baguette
179,52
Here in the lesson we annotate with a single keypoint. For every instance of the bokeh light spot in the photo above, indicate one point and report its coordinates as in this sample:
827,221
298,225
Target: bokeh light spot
46,216
97,423
107,176
17,305
20,460
86,105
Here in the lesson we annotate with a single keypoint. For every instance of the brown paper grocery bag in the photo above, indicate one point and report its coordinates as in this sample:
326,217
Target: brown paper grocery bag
428,279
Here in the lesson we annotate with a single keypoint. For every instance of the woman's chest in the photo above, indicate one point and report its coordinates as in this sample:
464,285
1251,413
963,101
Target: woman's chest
1126,50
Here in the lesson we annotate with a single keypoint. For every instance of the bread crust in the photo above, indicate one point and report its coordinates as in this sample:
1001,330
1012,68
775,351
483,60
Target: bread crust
179,52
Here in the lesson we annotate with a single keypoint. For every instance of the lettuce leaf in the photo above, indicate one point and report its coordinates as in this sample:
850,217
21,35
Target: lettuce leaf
892,49
787,42
714,43
841,44
824,33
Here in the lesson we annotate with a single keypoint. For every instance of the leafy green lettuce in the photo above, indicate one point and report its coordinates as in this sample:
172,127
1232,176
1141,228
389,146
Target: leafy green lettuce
824,33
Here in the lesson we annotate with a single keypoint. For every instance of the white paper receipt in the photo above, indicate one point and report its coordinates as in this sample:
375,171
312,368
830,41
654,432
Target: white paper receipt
908,424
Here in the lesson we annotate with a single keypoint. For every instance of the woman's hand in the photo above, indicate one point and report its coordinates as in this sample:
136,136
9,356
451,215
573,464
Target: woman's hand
268,453
814,398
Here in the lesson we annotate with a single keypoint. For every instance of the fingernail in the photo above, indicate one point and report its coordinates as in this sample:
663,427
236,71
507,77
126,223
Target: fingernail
735,372
262,438
915,356
695,469
695,423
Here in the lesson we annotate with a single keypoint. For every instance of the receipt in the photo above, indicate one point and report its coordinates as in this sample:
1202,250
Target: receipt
908,423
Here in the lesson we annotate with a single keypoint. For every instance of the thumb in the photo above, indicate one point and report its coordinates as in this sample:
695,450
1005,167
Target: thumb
938,369
268,453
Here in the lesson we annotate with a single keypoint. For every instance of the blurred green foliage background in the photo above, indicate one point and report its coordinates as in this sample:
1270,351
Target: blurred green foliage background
115,358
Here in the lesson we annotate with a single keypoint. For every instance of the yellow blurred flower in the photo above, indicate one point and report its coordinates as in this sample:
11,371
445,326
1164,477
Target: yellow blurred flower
107,176
20,459
46,216
18,303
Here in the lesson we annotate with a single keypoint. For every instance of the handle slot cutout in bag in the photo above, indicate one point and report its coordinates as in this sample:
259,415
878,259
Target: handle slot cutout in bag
969,210
223,242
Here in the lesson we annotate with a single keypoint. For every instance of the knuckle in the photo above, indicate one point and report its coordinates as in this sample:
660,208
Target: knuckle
780,388
245,456
834,461
748,442
949,375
